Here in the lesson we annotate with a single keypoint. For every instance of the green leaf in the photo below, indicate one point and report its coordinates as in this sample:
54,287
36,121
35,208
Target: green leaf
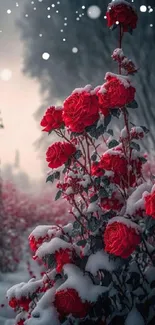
58,195
94,156
105,180
111,132
99,131
135,146
107,120
57,175
93,224
103,193
76,225
50,260
113,27
143,160
133,104
97,181
50,178
50,132
82,242
145,129
67,164
94,198
113,143
78,154
115,112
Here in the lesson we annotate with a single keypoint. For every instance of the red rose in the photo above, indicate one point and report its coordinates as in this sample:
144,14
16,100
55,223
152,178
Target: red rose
35,243
115,162
124,13
52,119
68,302
59,153
115,93
112,203
81,109
13,303
21,322
64,256
150,205
24,303
96,170
120,239
137,133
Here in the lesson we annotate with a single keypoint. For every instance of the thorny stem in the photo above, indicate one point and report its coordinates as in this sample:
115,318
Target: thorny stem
76,206
88,152
84,199
63,136
84,152
79,222
126,122
93,145
65,233
49,280
120,43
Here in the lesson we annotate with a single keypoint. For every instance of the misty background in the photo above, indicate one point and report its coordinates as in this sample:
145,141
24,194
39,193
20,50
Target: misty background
52,47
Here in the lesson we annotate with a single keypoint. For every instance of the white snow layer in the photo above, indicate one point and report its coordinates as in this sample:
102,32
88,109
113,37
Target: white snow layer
80,282
100,261
118,2
51,247
136,199
126,222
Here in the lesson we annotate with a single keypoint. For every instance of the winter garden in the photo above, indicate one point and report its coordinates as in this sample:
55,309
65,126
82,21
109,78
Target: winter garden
87,241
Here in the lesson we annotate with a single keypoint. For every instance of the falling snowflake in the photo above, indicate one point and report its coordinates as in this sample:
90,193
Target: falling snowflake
75,50
143,8
94,12
45,56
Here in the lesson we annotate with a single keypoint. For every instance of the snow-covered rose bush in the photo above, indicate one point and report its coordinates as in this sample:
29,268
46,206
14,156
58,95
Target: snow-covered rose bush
100,268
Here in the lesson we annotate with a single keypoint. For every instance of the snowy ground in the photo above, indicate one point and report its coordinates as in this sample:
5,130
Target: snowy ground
7,315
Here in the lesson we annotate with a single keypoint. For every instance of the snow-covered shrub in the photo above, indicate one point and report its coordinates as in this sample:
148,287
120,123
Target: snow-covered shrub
100,268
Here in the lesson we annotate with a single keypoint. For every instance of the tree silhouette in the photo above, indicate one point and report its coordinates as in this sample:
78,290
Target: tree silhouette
66,70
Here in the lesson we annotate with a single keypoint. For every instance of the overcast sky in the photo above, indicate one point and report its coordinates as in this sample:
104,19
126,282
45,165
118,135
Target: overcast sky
19,96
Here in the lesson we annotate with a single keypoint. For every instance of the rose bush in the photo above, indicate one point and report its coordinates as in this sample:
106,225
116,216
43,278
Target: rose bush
100,268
